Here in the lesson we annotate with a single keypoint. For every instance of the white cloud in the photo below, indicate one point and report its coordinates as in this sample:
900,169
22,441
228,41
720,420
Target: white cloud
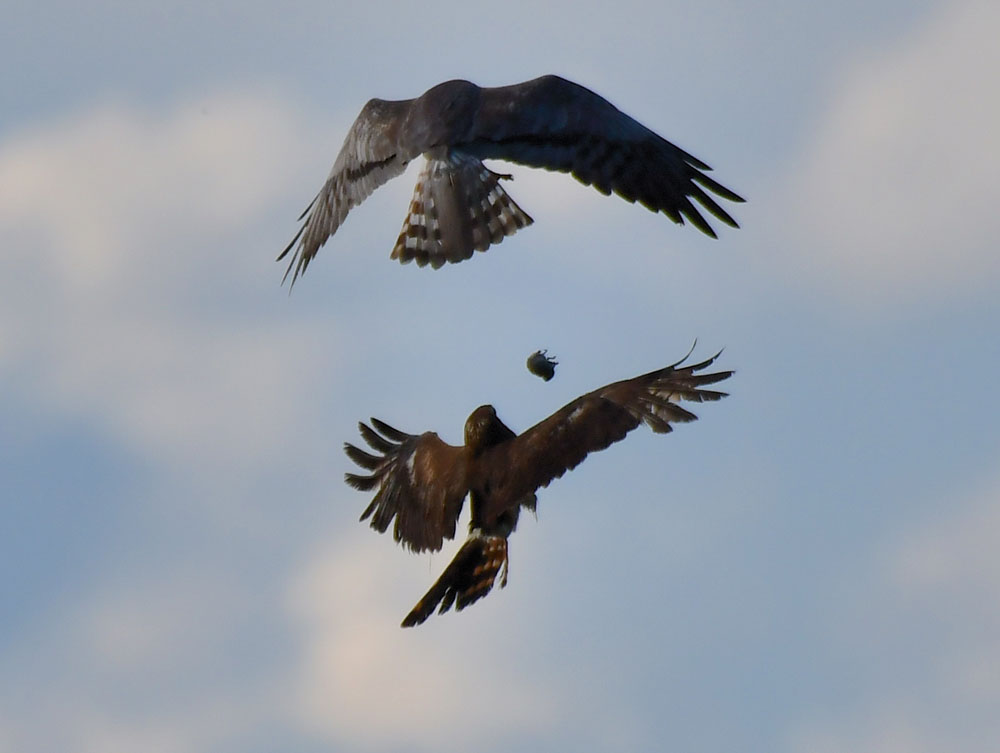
132,310
365,680
97,195
145,628
122,230
893,198
951,573
108,670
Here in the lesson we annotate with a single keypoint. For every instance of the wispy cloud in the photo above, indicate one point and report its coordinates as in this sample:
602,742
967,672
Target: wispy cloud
892,198
216,592
113,220
127,308
364,680
922,640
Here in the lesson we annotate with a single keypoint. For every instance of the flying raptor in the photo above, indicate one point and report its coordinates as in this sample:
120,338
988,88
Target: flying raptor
422,481
459,205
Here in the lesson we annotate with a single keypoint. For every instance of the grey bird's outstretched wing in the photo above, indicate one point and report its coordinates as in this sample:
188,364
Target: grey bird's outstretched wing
370,156
555,124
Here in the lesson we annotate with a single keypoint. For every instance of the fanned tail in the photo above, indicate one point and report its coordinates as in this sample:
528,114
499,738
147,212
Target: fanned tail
468,578
458,207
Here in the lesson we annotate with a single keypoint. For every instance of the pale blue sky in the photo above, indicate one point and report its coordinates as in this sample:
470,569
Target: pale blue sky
812,567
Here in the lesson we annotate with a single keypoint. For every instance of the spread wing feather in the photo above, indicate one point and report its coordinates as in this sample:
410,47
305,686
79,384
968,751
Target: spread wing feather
421,483
369,157
555,124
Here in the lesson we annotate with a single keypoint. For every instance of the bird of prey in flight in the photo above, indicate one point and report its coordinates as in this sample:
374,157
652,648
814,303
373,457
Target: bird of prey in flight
459,205
422,481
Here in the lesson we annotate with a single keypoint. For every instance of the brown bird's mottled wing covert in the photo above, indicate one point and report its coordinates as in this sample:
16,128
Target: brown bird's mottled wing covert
459,205
422,481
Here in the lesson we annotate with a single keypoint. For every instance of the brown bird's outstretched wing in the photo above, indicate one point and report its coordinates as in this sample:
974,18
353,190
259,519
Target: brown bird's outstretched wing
421,481
555,124
468,578
369,157
591,423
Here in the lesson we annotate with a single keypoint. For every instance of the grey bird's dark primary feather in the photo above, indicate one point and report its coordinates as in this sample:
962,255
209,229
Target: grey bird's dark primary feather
459,205
421,481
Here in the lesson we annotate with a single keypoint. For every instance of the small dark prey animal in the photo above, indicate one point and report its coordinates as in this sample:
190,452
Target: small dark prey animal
458,204
422,481
542,365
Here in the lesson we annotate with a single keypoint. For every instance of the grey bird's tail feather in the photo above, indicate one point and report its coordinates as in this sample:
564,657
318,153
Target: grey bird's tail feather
458,207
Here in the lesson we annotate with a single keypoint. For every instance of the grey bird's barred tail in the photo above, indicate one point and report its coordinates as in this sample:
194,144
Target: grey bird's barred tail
458,206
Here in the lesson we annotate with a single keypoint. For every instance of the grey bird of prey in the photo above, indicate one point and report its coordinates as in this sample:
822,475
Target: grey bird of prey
422,481
459,205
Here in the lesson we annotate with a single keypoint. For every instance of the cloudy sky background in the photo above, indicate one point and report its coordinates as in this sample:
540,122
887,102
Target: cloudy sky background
810,568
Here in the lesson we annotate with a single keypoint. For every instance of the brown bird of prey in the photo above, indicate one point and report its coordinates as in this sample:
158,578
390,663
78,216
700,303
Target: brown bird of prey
458,204
422,481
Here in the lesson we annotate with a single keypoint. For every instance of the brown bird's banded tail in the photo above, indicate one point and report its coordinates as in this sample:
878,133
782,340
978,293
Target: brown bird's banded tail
468,578
458,207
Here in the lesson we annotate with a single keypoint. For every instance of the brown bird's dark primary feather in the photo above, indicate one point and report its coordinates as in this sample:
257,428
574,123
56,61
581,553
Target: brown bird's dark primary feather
459,206
422,481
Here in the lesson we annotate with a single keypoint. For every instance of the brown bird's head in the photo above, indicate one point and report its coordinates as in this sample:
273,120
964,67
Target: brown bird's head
483,429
